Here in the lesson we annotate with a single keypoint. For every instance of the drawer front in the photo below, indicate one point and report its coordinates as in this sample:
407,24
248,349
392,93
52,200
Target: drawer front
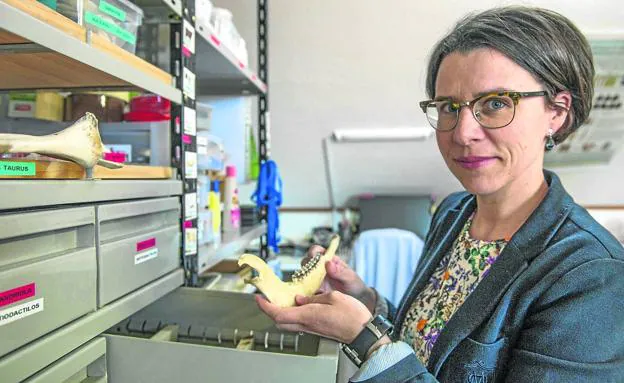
125,265
199,328
38,297
47,272
27,236
149,361
124,220
85,364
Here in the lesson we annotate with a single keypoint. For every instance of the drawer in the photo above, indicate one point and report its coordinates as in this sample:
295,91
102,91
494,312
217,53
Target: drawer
87,364
198,335
47,272
117,221
137,242
123,268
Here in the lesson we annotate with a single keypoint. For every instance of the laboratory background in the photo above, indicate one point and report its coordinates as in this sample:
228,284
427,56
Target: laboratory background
164,162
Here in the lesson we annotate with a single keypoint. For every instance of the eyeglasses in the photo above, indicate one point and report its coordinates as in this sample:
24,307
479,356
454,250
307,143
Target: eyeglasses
492,110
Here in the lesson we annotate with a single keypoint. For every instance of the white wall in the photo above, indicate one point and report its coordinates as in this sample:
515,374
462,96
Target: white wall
360,63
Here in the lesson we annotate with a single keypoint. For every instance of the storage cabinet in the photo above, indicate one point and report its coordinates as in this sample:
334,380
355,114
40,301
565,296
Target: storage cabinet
47,272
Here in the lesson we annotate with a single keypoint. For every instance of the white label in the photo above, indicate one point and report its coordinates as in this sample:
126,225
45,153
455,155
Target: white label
190,241
188,83
145,256
190,121
190,164
21,311
22,109
190,206
188,37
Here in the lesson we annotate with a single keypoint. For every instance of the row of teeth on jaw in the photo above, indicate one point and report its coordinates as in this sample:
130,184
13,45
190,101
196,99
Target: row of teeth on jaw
311,264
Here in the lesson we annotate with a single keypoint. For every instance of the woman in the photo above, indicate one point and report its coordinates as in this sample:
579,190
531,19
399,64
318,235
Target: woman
517,282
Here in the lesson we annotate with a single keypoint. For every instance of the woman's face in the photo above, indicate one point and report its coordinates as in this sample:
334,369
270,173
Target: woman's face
487,161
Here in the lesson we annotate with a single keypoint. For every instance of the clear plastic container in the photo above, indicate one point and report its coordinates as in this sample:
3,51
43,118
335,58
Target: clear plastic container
116,20
231,207
221,19
210,152
71,9
204,116
204,228
203,11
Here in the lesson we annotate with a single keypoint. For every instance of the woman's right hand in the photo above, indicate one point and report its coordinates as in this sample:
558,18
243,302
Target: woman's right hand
341,277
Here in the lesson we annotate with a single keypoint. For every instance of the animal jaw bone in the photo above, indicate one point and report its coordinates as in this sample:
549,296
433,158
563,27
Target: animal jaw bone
79,143
305,282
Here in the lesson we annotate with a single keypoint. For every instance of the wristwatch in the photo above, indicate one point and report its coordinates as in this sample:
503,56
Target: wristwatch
374,330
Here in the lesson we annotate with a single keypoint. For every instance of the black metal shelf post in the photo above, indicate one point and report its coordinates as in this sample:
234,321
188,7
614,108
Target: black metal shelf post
184,132
263,105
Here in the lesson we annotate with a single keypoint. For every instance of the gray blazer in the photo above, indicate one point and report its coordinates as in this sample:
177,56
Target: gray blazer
550,310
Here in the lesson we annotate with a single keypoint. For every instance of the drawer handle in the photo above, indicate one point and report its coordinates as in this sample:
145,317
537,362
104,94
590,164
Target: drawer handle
266,340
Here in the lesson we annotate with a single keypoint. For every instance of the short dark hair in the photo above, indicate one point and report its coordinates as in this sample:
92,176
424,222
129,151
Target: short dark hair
545,43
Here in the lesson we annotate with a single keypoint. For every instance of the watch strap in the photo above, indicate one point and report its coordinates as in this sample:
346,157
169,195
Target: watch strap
374,330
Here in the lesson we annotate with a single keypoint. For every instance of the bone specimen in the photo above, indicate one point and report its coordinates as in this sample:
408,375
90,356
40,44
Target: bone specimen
79,143
305,282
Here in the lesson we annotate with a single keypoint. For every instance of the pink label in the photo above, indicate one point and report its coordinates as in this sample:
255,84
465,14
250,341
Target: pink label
215,40
17,294
140,246
241,65
236,218
186,52
188,224
186,139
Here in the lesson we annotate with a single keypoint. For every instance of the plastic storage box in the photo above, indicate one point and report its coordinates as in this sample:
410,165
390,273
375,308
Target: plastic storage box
116,20
149,107
204,116
69,8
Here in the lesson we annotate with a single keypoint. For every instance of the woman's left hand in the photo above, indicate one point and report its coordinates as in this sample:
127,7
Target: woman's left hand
332,315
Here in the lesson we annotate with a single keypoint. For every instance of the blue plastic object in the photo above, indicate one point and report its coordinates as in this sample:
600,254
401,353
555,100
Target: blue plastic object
269,194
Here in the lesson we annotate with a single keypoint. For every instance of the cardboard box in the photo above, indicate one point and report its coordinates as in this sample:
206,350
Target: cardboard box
105,108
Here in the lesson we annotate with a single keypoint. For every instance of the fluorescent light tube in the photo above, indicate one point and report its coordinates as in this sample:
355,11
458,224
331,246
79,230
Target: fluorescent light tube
382,134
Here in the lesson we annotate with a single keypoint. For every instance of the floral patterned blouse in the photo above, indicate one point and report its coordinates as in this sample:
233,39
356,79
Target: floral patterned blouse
451,283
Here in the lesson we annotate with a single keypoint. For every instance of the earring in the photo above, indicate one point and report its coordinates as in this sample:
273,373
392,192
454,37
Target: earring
550,142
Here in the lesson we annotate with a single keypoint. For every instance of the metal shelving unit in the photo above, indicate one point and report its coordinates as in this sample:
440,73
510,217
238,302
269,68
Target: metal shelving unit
219,71
40,49
264,132
209,256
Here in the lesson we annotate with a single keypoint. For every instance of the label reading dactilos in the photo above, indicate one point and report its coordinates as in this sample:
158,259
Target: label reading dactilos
15,168
21,311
